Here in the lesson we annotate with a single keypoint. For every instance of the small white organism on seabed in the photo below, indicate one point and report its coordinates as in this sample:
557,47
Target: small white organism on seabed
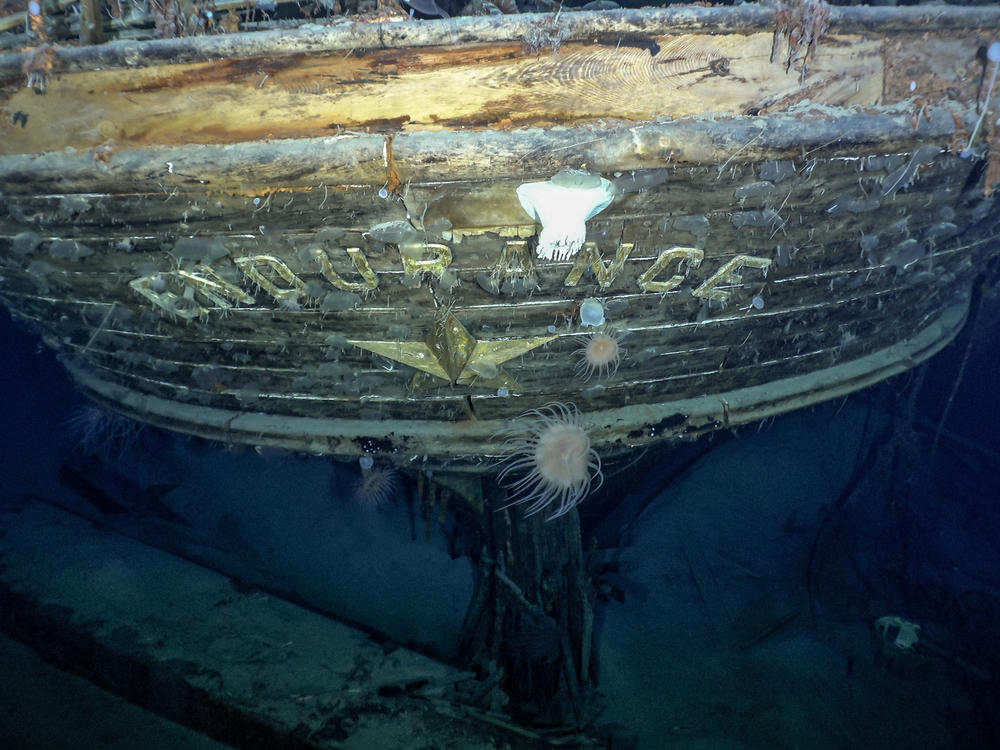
906,632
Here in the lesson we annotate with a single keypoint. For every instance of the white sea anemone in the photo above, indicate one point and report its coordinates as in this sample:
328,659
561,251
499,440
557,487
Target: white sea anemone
551,448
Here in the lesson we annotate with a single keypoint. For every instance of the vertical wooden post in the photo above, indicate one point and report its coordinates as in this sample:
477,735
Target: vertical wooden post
546,626
531,621
91,29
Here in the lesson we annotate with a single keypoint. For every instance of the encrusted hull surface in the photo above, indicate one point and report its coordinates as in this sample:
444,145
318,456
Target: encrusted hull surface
361,272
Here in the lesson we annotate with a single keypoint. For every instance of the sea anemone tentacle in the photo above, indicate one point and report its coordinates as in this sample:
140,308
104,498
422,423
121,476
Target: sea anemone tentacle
550,460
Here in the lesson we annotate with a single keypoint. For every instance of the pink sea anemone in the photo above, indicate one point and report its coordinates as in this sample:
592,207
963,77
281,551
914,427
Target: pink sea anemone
600,355
551,448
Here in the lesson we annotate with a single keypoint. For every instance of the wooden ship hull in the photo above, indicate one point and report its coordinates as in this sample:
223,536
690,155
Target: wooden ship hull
387,240
315,238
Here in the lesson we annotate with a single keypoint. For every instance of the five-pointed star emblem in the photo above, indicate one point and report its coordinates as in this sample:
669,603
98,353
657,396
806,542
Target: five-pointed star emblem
451,353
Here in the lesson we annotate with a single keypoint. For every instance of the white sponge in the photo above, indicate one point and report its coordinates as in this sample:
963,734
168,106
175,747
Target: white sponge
562,206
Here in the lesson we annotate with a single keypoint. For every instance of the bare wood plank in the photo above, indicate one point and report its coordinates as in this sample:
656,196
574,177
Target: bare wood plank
459,86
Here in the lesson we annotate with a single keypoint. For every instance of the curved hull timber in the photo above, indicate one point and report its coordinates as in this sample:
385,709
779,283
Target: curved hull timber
319,240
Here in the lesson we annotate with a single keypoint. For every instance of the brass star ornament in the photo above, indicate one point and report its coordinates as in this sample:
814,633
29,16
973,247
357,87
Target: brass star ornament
451,353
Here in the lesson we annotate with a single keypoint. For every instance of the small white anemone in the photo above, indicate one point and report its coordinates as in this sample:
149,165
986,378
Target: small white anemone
551,448
562,205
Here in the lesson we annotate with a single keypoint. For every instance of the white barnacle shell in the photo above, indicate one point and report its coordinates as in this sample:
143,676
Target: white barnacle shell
562,206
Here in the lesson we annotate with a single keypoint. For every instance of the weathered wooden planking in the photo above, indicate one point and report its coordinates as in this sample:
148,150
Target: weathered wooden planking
816,193
146,220
269,350
841,199
346,34
465,440
739,347
326,164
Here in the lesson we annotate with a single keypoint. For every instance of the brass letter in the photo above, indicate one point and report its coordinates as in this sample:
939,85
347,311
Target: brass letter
729,273
589,255
204,281
515,265
692,255
254,268
360,263
214,287
414,262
